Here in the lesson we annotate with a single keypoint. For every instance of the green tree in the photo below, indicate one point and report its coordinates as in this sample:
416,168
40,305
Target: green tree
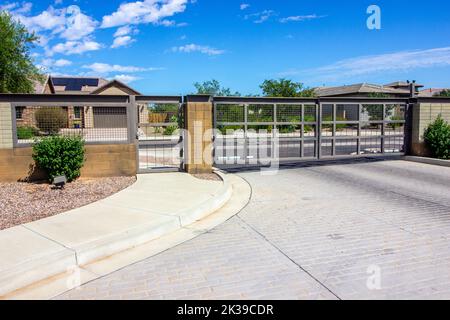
285,88
214,88
443,93
17,71
377,95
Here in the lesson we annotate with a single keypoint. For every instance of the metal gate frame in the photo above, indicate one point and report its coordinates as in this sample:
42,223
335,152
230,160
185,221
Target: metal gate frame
319,137
181,139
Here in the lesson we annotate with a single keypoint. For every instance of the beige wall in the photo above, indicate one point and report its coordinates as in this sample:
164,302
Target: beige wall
101,161
6,135
423,115
113,91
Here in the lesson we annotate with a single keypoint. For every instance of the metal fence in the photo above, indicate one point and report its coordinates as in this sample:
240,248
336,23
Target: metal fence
160,134
257,131
95,119
94,124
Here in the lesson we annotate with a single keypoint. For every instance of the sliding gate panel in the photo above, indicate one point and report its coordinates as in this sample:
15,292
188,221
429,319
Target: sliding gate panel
160,137
257,133
359,129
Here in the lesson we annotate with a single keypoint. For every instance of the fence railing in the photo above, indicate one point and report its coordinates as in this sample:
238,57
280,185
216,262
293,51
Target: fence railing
95,119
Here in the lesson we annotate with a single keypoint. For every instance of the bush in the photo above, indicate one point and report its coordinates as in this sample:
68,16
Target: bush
396,125
26,132
286,129
169,130
224,129
51,119
59,155
437,138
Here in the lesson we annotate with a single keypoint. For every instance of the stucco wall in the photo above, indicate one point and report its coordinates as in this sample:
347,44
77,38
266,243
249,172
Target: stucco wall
100,161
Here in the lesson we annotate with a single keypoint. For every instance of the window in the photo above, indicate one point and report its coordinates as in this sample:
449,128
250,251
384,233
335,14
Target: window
19,113
77,112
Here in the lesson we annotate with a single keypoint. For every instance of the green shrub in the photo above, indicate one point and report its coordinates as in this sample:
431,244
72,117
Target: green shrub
26,132
169,130
286,129
259,128
437,138
51,119
309,118
307,128
59,155
396,125
224,129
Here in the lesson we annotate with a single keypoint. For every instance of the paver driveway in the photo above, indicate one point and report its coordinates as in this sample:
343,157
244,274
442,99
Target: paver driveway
359,230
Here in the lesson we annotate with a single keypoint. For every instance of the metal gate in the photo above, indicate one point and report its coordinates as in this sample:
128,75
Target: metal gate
160,134
259,131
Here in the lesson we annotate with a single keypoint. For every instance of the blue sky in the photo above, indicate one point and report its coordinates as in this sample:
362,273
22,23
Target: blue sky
164,46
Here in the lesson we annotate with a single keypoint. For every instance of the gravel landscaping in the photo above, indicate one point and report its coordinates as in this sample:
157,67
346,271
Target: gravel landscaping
207,176
25,202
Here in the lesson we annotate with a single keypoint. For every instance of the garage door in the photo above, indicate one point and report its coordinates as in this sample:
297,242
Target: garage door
110,117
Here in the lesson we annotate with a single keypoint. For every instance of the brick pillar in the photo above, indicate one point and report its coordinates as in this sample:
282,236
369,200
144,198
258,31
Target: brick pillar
198,153
6,130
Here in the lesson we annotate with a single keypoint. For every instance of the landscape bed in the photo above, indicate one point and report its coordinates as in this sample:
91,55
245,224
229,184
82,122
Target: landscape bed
22,202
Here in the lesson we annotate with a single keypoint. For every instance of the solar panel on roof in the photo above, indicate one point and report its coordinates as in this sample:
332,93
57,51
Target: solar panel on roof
75,84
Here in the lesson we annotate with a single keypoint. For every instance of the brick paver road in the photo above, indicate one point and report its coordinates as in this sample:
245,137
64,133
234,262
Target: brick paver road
365,230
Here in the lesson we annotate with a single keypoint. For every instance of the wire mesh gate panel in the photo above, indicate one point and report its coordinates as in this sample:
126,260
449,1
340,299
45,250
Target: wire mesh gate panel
33,122
160,136
259,133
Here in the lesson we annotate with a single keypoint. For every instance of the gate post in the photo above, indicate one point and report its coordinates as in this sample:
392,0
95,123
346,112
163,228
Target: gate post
7,116
199,145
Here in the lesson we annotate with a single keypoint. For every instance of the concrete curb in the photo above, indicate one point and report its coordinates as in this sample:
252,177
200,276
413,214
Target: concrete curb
57,261
432,161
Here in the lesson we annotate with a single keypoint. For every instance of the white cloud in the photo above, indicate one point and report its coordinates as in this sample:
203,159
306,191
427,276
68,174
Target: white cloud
48,63
122,41
69,23
8,6
125,30
260,17
125,78
368,65
78,25
244,6
62,63
403,60
43,40
171,23
198,48
300,18
75,47
108,68
50,19
16,8
147,11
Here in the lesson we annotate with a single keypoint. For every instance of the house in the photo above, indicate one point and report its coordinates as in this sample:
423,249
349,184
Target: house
431,92
84,116
399,89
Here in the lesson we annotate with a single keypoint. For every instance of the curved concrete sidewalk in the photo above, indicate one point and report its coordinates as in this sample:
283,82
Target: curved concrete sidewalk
158,211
